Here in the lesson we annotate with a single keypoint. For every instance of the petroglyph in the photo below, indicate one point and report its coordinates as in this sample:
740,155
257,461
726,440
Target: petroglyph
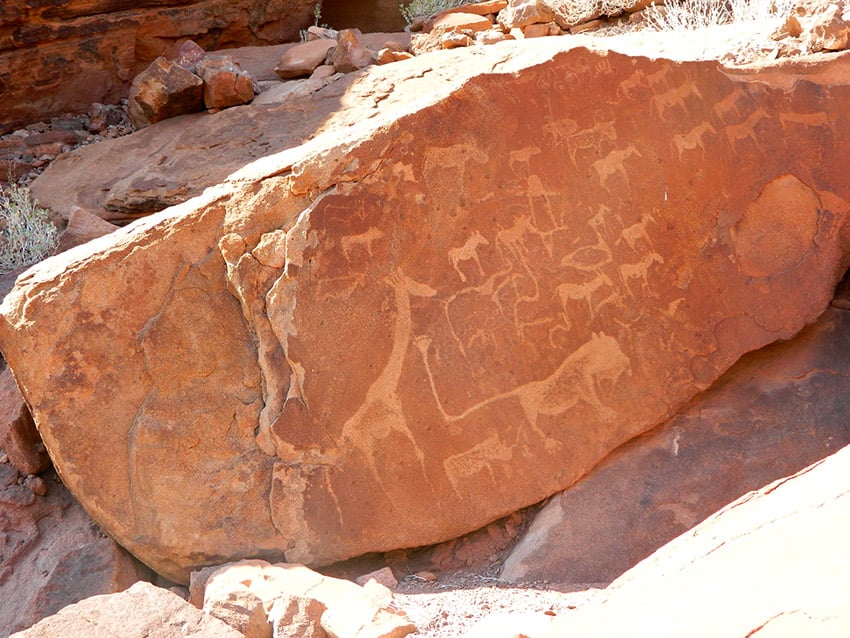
467,252
600,222
613,164
746,129
637,232
361,240
635,81
639,270
381,412
463,467
814,120
658,79
729,105
522,157
693,139
560,130
510,242
674,97
592,138
584,292
595,366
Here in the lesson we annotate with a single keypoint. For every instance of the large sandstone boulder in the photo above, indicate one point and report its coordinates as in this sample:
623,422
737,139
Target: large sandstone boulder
64,55
773,563
773,413
392,336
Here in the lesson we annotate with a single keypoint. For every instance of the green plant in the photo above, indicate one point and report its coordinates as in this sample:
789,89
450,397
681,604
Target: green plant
425,8
26,234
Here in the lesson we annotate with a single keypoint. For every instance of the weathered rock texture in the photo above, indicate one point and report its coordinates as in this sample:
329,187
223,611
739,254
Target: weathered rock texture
776,411
773,563
143,611
64,55
51,554
393,339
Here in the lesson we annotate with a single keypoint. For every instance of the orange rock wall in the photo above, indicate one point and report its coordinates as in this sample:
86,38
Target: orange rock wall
63,55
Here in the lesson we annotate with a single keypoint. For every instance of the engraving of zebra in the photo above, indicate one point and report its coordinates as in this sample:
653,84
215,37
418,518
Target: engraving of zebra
637,232
467,252
567,292
746,129
640,271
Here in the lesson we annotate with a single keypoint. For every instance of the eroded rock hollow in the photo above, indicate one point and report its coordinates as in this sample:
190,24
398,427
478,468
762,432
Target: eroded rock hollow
394,339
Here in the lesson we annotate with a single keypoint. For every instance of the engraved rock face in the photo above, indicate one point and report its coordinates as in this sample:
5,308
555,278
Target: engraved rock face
394,339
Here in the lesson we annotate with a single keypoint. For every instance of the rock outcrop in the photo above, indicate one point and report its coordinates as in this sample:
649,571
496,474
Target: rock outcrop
143,611
458,308
64,55
773,413
773,563
51,554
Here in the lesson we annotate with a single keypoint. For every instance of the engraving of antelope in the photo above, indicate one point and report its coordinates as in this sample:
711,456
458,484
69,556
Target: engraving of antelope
728,105
467,252
592,138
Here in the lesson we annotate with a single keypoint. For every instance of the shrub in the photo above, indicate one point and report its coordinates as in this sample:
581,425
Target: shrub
426,8
26,234
690,15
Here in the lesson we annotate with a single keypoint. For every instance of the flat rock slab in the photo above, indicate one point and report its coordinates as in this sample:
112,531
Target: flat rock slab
774,412
772,563
409,327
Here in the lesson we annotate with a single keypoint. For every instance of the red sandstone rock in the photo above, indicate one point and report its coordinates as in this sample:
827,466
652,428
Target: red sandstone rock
774,412
458,21
143,611
521,13
515,282
51,555
189,55
302,59
164,90
818,26
18,436
350,54
773,563
66,54
225,84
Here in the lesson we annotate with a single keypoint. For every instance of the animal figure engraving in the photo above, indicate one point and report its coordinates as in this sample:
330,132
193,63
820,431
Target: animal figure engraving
584,292
522,157
467,252
746,129
560,130
807,120
674,97
636,232
592,138
639,271
363,240
631,84
693,139
463,467
381,413
613,164
595,366
728,105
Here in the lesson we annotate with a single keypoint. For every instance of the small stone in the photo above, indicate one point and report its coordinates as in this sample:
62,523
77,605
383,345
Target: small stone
36,485
428,577
384,576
